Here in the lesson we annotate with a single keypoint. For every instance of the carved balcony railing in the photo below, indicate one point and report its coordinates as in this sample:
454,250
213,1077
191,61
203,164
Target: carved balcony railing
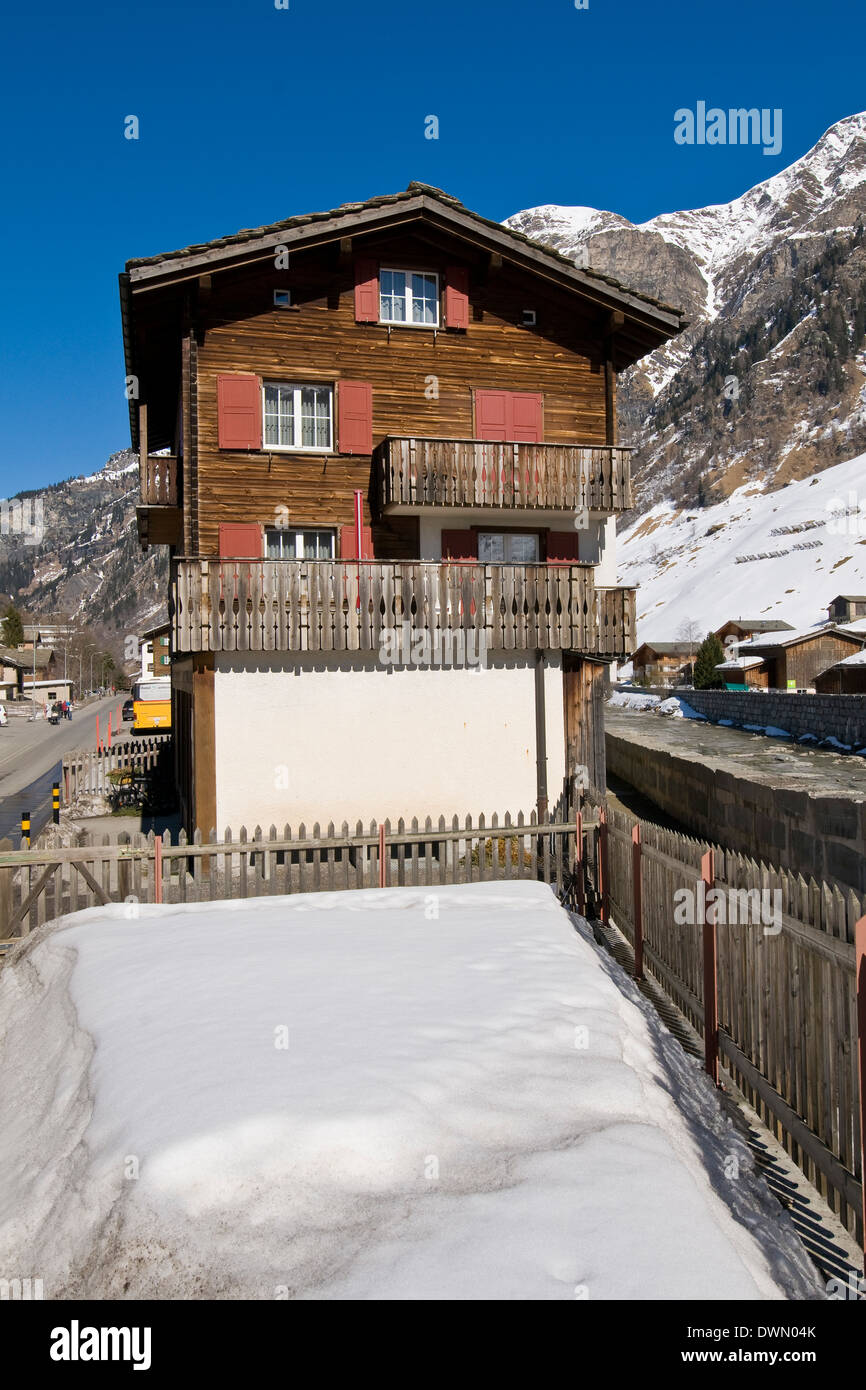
159,481
222,605
415,472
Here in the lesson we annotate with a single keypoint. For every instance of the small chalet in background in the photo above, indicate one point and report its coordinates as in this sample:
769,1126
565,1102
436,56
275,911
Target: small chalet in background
745,671
794,659
846,607
390,422
847,677
664,663
741,629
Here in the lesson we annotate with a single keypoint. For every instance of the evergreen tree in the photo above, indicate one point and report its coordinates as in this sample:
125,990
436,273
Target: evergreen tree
710,653
12,628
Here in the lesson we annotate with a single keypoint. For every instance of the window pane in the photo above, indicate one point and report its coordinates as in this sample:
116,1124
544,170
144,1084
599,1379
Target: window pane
272,430
424,301
523,550
392,296
287,416
323,418
491,548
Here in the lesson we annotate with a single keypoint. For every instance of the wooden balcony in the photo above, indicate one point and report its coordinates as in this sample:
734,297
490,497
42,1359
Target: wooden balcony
326,605
409,472
159,481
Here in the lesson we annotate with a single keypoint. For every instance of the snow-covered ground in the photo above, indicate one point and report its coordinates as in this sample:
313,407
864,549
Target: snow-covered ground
776,555
388,1094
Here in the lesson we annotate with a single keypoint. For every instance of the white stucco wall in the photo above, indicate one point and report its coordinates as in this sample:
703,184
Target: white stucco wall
306,738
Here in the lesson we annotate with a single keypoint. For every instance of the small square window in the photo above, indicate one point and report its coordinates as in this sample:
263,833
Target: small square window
282,299
529,318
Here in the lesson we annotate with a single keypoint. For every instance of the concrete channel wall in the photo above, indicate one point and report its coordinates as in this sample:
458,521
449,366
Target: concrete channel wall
817,835
842,717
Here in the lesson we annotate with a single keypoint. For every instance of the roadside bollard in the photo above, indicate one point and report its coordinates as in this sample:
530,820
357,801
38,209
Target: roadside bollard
55,802
25,829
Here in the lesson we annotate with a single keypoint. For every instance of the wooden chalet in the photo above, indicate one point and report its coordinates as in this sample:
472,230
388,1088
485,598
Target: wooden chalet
845,608
664,663
742,629
846,677
793,660
385,424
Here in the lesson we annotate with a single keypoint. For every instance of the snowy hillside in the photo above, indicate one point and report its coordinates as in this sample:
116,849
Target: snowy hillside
781,554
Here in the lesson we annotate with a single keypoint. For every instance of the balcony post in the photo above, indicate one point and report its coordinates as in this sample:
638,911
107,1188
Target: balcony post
540,739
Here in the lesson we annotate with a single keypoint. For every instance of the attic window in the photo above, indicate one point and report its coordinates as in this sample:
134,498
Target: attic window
529,318
282,299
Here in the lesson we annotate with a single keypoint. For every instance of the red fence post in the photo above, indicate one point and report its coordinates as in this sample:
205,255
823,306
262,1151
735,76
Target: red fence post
382,880
637,901
711,984
860,981
603,879
157,869
578,868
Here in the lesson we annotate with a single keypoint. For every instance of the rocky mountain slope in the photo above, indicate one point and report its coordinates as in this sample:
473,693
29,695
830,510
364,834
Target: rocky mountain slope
86,562
768,384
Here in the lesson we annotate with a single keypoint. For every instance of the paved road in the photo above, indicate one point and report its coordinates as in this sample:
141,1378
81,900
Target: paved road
31,757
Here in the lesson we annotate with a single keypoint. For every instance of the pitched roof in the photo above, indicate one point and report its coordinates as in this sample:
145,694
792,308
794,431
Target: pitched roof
781,638
355,215
757,625
669,648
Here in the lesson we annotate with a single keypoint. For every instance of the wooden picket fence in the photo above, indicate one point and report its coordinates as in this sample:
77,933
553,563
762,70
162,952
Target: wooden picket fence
87,770
48,880
784,993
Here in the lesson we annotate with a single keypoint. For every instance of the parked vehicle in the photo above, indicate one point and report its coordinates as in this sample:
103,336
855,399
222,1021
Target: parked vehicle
152,706
4,718
128,711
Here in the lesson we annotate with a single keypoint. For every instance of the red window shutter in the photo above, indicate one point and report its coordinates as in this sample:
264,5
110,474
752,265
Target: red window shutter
491,414
460,545
517,416
355,408
349,543
456,297
562,548
366,291
239,412
527,422
241,540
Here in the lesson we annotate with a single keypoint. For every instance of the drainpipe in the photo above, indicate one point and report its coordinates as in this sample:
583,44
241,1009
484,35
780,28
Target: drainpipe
540,739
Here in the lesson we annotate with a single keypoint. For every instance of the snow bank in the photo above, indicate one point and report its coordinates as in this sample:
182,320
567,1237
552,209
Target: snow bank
381,1094
628,699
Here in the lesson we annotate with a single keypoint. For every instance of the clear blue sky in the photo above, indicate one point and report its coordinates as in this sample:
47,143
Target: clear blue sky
249,114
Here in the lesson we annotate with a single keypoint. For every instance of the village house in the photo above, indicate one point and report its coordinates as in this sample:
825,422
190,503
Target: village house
664,663
380,445
745,670
845,608
846,677
794,659
155,652
742,629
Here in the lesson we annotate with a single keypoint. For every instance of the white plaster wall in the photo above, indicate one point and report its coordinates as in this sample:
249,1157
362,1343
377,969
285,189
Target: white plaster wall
324,737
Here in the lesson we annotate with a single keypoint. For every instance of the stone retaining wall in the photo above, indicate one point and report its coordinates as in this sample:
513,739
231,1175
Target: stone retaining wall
842,717
821,836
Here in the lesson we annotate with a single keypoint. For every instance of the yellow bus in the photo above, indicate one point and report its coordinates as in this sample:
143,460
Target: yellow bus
151,705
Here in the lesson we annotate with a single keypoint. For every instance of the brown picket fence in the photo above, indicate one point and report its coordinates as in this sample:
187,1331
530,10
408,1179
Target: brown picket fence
789,955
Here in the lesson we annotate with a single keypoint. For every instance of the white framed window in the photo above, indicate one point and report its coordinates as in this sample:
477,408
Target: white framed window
286,543
507,548
298,417
409,297
282,299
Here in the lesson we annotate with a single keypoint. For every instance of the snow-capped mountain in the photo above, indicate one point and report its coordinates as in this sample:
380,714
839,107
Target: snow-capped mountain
768,384
776,554
82,557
